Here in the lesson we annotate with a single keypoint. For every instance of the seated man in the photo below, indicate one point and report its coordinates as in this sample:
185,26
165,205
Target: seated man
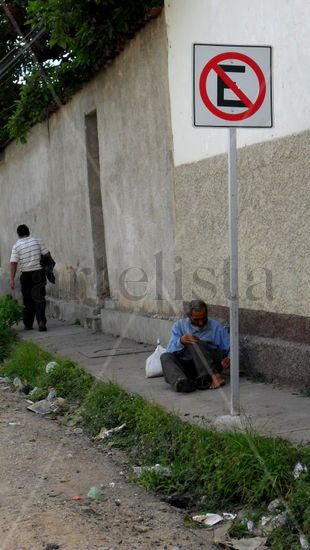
197,351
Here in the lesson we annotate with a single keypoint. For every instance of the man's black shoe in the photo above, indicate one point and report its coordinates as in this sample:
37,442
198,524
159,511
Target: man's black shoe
28,328
184,385
42,327
202,382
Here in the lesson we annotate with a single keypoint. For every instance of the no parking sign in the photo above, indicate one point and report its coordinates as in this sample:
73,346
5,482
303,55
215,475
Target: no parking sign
232,86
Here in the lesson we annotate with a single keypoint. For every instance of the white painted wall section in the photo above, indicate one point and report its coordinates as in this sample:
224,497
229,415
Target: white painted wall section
282,24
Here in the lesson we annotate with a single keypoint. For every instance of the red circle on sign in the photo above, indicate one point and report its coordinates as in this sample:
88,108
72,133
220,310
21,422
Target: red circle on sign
203,86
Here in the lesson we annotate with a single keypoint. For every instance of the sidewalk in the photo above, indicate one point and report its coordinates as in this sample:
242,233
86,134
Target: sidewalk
271,411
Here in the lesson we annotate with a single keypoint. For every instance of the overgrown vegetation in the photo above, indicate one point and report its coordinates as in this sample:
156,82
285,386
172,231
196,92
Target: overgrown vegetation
225,470
68,41
10,313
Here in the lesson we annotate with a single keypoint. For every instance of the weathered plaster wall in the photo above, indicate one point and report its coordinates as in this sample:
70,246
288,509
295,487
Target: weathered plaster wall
44,183
137,172
274,226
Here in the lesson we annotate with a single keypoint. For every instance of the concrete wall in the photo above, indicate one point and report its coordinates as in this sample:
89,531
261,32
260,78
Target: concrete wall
273,164
137,172
282,24
165,226
44,184
274,259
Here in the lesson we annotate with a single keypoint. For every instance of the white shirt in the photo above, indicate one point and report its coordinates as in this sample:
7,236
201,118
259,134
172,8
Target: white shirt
27,253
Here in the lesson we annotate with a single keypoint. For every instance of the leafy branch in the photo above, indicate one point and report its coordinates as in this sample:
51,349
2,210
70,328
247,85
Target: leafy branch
80,37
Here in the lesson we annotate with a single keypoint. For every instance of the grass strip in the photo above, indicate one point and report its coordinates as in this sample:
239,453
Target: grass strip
10,313
223,469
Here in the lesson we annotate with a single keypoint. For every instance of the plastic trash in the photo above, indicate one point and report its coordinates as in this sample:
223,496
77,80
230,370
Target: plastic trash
94,493
304,544
299,469
33,391
255,543
139,470
275,504
17,383
208,519
229,516
51,394
268,523
104,433
153,366
265,520
50,366
250,526
76,497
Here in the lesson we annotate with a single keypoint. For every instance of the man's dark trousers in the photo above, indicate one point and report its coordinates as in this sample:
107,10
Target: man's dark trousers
33,289
205,362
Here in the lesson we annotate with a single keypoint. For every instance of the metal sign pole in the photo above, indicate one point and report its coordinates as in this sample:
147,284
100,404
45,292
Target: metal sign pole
234,295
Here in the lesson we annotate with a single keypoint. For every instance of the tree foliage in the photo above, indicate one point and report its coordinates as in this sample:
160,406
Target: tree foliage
75,39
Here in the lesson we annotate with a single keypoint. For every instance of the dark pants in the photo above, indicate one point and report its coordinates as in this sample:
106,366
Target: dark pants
33,285
204,363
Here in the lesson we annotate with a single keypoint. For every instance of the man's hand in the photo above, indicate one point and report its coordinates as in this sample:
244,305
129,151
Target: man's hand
188,338
13,269
225,363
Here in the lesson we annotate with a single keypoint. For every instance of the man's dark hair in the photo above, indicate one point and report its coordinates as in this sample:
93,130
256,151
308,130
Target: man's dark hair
23,230
196,305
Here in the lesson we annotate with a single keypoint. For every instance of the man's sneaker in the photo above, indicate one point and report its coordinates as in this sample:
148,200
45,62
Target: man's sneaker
184,385
42,327
28,328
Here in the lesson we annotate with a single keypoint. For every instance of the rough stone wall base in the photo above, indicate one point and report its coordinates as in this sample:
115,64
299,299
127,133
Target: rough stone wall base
68,311
278,361
137,327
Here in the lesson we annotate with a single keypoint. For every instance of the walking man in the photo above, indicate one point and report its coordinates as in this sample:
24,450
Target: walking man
26,253
197,351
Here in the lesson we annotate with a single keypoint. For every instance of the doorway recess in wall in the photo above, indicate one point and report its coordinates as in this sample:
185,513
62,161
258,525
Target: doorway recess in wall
95,202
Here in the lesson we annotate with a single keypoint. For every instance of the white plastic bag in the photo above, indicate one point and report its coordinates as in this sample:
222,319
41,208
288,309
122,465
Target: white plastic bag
153,364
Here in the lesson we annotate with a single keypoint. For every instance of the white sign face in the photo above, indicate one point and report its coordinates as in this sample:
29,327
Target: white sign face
232,86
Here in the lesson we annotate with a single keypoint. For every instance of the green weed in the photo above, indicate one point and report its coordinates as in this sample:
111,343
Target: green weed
7,339
10,312
70,381
284,538
226,470
28,362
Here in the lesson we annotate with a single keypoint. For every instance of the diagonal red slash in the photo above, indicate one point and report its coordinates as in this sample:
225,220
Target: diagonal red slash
230,83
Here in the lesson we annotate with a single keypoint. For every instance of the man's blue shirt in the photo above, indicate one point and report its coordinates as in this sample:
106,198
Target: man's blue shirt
213,333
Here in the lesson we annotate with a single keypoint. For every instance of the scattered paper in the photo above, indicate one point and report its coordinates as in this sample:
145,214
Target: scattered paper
208,519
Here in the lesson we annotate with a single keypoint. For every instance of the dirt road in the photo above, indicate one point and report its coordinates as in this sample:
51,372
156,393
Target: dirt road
43,465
